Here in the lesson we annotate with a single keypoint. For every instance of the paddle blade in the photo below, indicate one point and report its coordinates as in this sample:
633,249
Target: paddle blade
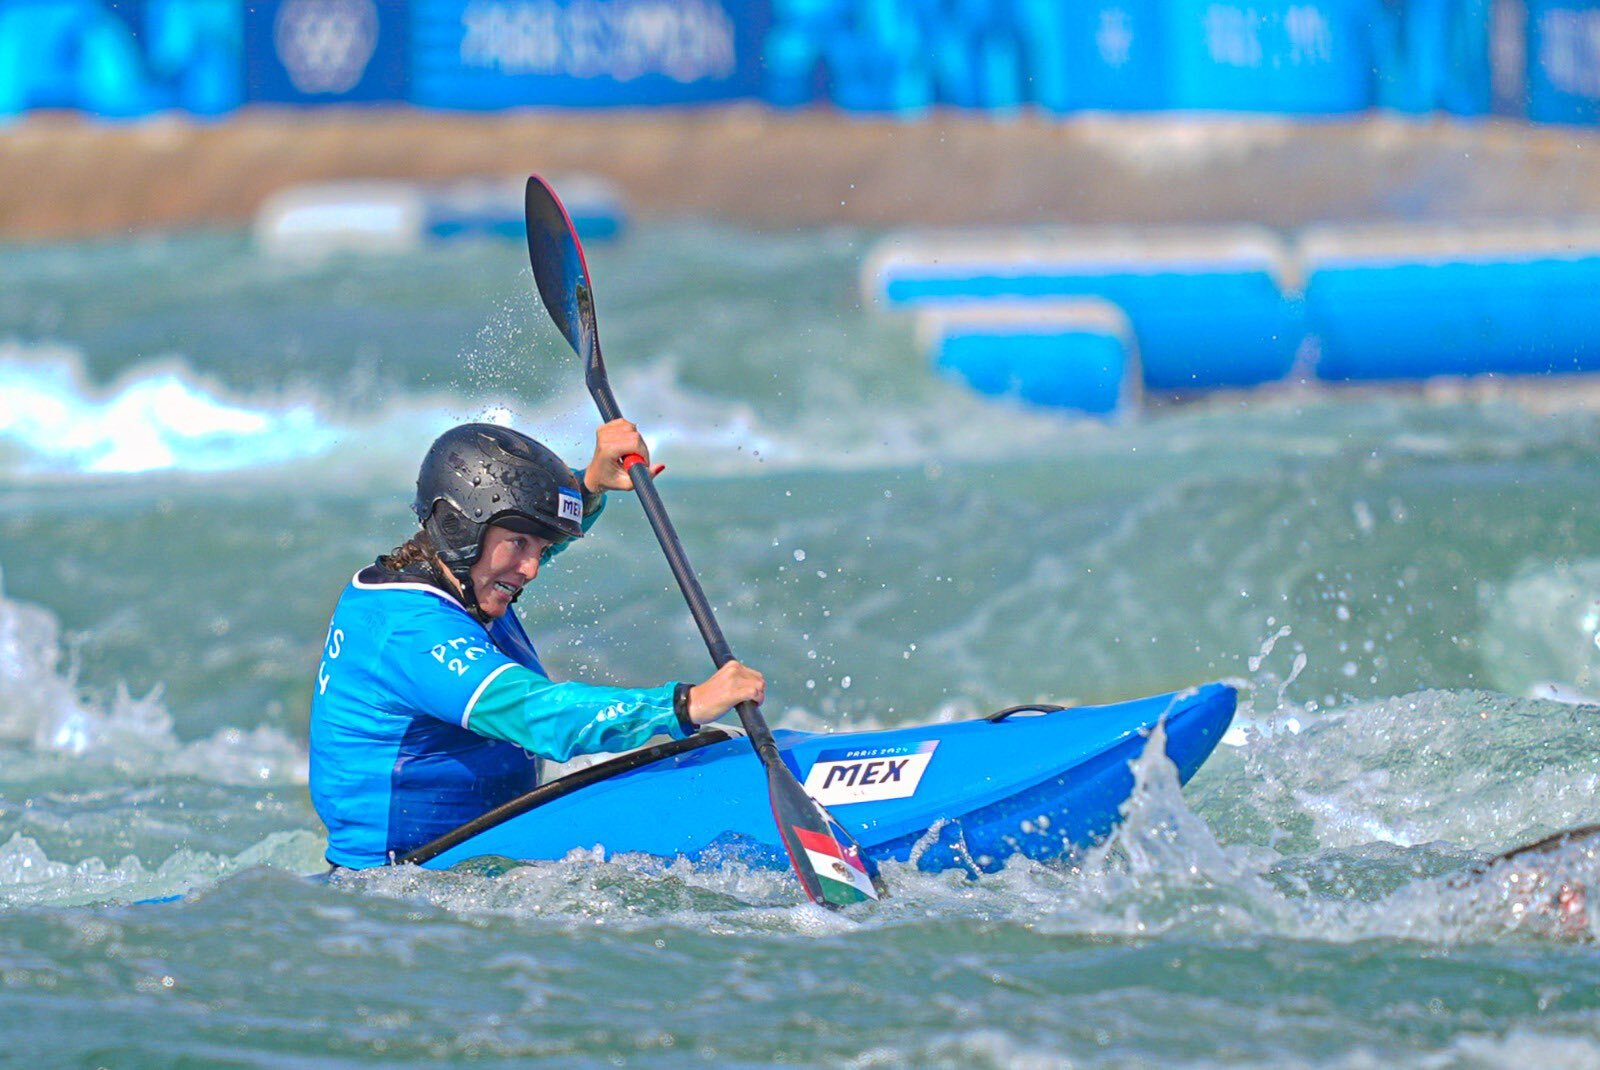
831,867
559,269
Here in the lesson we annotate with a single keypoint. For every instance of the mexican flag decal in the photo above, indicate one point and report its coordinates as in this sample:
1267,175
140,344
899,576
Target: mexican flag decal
843,874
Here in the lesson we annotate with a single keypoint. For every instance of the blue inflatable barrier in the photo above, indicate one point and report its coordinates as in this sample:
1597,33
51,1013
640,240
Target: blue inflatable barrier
393,216
1076,354
1415,301
1207,306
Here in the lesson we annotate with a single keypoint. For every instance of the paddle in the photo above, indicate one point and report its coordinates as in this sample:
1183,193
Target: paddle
1546,846
830,865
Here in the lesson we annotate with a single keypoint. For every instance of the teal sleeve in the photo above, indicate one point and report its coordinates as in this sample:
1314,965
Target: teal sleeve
557,721
593,506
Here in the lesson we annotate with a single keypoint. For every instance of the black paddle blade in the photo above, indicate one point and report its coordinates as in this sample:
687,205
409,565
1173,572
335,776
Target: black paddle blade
831,868
559,269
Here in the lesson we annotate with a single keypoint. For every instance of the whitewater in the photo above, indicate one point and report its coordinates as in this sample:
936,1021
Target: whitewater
199,445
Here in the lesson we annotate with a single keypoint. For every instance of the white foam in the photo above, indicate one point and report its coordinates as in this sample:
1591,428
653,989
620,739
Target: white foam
1541,634
29,877
159,417
1475,770
163,417
48,714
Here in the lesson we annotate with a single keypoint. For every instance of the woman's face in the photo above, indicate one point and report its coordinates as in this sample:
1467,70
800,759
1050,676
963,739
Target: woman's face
509,560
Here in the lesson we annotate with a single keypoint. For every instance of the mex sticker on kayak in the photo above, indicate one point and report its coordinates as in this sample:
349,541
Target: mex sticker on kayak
867,774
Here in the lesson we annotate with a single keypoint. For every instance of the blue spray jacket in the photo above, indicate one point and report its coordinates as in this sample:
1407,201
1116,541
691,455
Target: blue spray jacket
423,719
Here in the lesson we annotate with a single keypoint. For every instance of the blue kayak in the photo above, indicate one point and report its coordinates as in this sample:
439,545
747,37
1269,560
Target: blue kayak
1040,780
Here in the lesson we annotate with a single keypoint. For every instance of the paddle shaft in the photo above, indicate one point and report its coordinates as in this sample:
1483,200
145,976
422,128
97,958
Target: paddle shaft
655,511
829,864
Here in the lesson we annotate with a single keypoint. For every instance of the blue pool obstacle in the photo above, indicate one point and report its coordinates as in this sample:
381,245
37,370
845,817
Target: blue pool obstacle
1212,307
1414,301
382,216
1077,354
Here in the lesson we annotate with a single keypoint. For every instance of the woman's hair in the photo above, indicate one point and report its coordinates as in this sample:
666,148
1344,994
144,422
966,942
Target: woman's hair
417,549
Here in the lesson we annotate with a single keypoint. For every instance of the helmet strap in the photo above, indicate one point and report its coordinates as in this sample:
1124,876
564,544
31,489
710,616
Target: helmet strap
459,577
469,598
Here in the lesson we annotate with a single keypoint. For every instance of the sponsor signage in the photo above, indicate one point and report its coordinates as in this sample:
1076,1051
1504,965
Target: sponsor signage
506,53
1107,55
1533,58
326,51
868,774
1308,56
121,57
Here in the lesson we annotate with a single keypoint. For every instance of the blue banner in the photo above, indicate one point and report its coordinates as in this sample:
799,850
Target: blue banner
1564,61
1307,56
1434,55
120,59
326,51
584,53
1538,59
1100,55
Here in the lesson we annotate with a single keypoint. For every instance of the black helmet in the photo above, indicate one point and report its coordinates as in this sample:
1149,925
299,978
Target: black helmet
481,474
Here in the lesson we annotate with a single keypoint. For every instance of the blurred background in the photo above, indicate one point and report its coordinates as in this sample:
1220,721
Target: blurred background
1521,59
960,110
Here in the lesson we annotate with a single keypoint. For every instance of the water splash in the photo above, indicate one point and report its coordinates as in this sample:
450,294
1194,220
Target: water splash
1477,769
46,712
28,877
162,417
1167,871
1541,633
1164,868
158,417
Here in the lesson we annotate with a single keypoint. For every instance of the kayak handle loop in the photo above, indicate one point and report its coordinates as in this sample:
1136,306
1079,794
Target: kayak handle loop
1042,707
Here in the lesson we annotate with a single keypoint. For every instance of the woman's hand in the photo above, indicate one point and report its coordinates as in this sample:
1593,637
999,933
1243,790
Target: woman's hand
728,686
612,442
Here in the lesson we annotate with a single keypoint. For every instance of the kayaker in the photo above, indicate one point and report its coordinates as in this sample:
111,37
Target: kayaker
430,705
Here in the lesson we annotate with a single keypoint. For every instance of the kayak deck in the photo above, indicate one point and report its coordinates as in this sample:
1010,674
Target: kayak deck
965,795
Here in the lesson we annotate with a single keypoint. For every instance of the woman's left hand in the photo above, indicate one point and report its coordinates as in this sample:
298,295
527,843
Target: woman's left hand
612,442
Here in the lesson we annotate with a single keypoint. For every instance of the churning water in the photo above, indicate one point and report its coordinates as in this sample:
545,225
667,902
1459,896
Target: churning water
198,446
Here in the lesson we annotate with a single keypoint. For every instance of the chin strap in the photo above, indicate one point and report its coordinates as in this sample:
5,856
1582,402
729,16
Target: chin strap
460,578
469,598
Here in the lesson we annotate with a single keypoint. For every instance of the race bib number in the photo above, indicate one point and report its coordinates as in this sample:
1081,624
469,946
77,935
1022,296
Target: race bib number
866,774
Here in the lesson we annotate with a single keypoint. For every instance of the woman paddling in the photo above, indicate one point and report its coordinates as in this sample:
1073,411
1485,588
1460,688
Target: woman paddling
430,705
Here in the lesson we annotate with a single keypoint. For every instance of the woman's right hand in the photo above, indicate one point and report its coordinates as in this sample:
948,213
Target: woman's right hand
614,442
726,688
